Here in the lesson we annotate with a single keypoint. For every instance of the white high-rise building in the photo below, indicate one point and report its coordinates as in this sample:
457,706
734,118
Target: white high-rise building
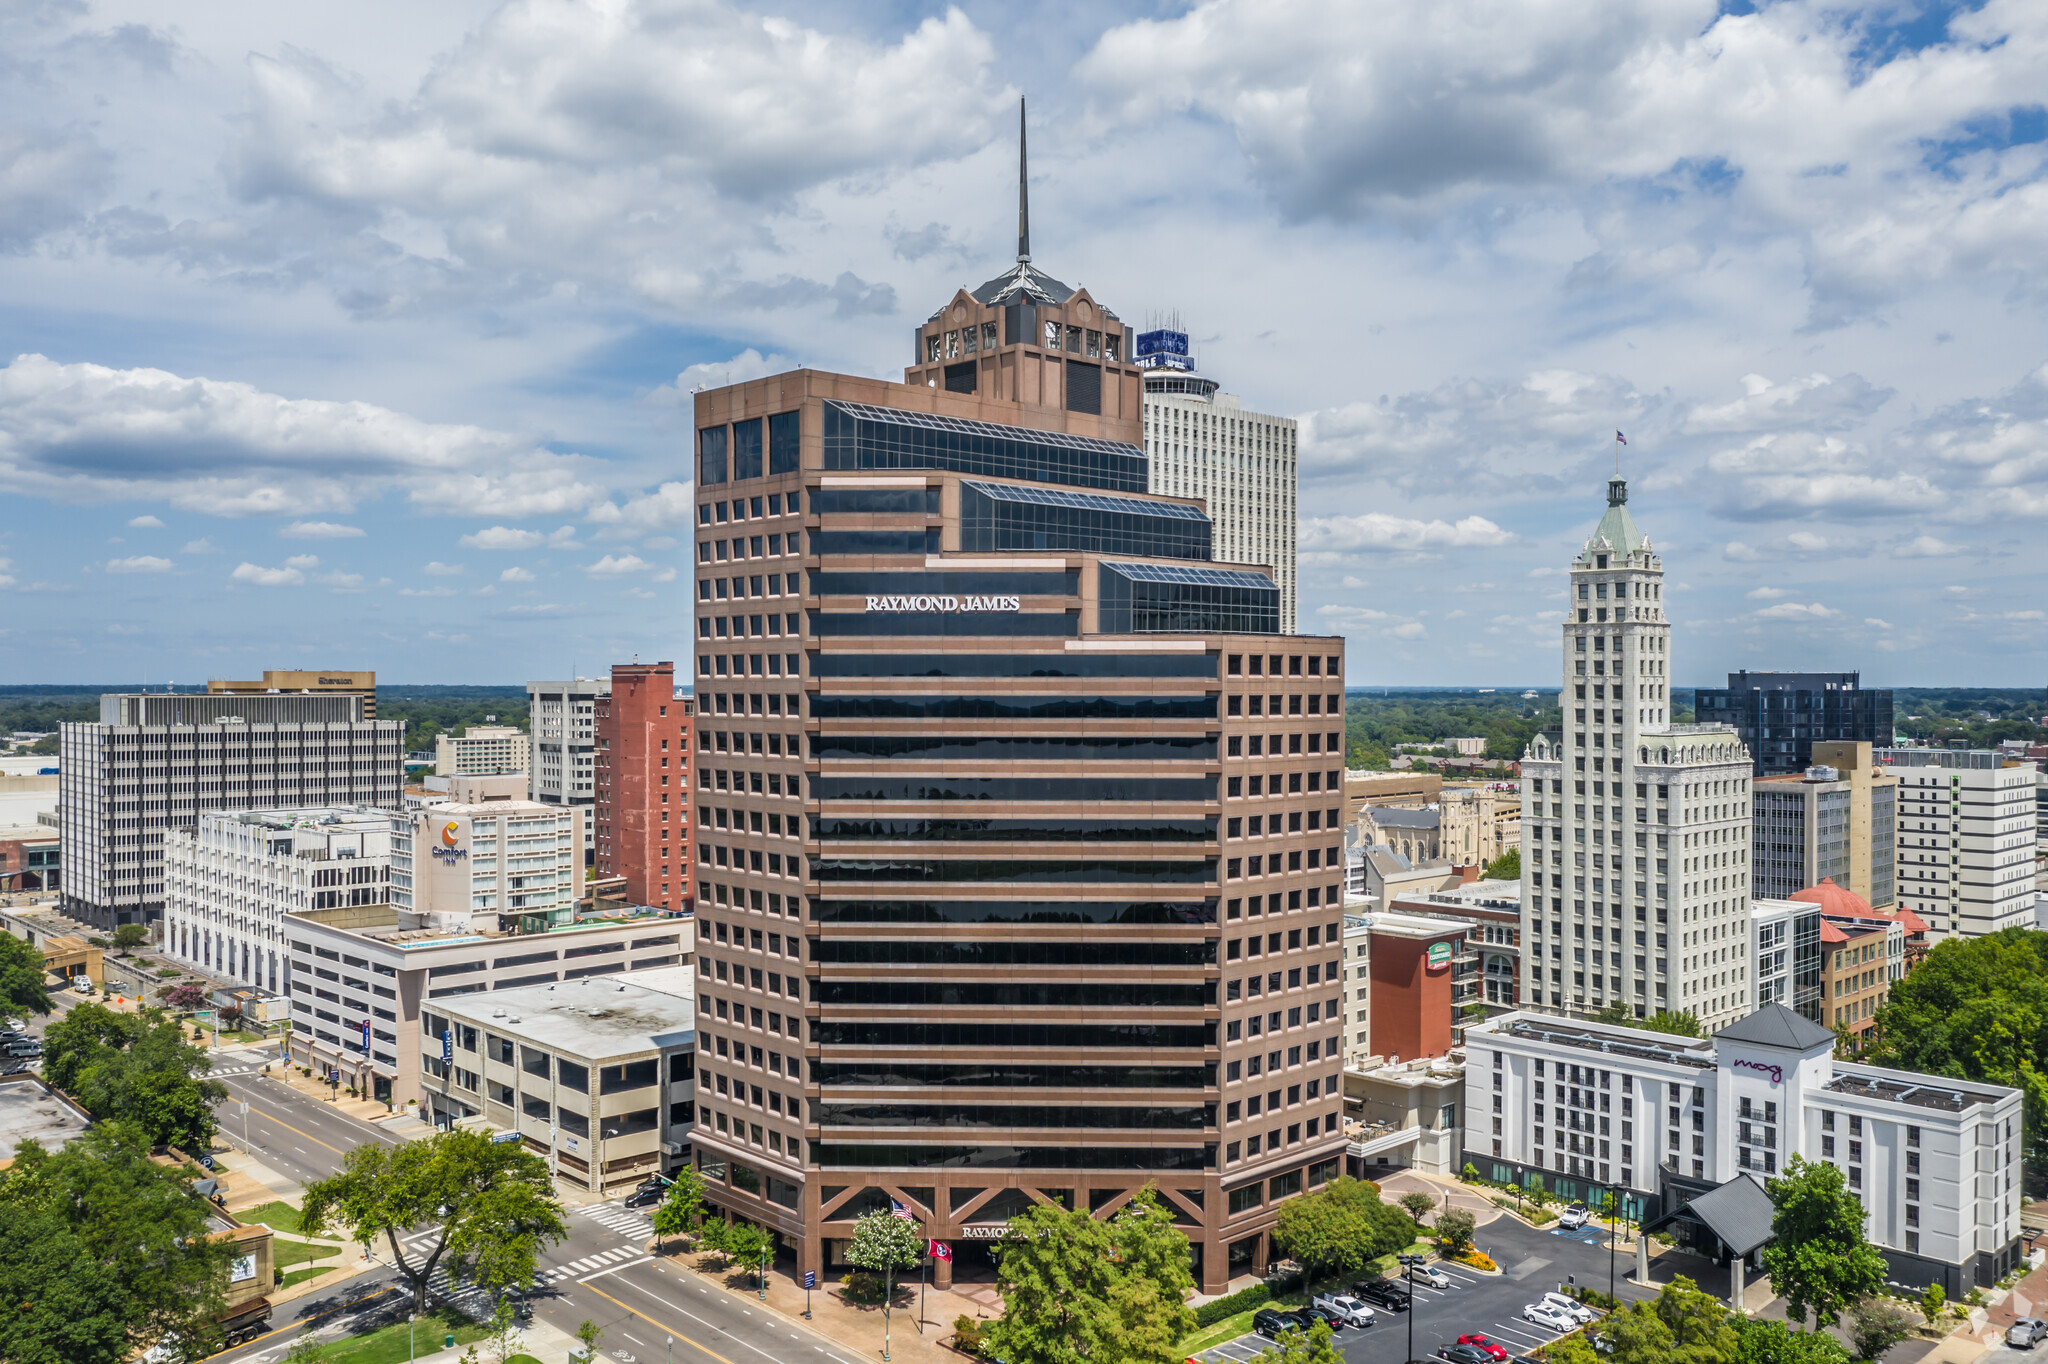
562,736
1965,851
1635,831
155,762
1202,443
230,880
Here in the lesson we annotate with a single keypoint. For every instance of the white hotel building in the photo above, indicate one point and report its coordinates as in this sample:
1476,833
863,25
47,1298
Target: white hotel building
1678,1127
1966,843
230,880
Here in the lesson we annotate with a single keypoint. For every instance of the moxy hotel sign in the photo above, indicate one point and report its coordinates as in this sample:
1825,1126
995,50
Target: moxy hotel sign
936,603
1777,1073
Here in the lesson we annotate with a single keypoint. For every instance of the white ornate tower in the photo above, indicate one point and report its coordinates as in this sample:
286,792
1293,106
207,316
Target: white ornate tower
1635,831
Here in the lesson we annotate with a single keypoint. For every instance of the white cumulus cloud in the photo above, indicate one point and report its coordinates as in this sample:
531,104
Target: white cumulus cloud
141,563
260,576
1379,531
510,537
145,523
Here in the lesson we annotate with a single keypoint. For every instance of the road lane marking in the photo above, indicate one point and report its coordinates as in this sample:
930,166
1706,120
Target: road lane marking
658,1325
289,1128
630,1264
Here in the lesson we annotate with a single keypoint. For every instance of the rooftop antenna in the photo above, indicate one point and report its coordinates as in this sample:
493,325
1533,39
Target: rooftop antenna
1023,193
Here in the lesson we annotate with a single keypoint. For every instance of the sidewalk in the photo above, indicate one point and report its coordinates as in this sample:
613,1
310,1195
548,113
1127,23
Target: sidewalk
363,1110
544,1342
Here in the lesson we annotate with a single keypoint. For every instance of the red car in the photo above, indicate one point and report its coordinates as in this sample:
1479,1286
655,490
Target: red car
1480,1342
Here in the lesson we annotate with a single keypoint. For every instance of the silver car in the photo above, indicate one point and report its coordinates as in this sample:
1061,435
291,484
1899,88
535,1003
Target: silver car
2025,1332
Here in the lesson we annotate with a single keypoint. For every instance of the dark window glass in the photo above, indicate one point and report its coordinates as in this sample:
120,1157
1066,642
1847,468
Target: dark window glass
1014,665
1071,952
1195,830
916,706
1066,584
871,1033
1190,1118
925,541
1015,748
960,377
950,788
1014,911
1017,872
1084,387
785,442
711,466
1140,598
947,624
907,1074
746,449
861,437
875,502
1018,995
997,517
828,1156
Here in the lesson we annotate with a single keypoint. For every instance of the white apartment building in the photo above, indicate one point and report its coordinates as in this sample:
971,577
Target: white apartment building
1786,969
1635,831
1669,1123
1242,464
465,864
1966,840
562,730
596,1075
230,880
483,751
154,763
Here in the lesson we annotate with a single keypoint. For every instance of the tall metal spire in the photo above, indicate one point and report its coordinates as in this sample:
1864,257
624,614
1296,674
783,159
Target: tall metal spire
1023,193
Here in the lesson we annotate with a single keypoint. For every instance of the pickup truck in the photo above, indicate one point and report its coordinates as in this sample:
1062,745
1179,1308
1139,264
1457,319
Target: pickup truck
1347,1309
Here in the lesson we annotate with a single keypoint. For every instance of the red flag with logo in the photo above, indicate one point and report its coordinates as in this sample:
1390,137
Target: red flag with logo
939,1250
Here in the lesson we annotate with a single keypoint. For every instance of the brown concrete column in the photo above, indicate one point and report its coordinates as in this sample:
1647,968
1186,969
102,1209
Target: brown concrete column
810,1258
942,1271
1215,1266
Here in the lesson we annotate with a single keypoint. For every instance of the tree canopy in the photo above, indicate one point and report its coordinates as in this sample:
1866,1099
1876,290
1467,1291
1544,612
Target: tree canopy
24,984
1976,1009
492,1203
1818,1257
1341,1227
1506,867
1076,1288
134,1068
103,1251
1313,1346
682,1205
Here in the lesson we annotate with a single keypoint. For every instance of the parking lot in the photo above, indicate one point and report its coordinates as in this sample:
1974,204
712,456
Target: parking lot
1532,1263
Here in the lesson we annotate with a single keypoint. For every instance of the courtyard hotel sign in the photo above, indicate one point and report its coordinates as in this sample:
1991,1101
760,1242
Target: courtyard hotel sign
943,604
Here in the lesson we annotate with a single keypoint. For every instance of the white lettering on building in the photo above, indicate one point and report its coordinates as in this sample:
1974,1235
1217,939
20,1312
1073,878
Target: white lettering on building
944,604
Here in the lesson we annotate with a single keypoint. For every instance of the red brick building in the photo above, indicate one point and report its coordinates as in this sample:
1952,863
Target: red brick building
642,804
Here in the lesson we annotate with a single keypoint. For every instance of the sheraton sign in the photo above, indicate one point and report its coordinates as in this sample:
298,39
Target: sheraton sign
938,603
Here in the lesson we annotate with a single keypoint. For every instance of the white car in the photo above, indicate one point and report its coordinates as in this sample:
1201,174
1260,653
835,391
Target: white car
1574,1217
1543,1314
1354,1312
1571,1307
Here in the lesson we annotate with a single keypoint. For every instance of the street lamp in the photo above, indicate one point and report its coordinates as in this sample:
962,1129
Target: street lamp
1408,1269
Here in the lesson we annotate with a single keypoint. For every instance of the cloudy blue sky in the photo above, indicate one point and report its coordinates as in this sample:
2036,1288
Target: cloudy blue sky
347,335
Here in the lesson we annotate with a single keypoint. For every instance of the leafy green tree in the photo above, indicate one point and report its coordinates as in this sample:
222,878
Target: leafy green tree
184,996
1616,1014
1077,1289
492,1203
1698,1323
104,1251
1682,1023
1877,1324
1818,1257
1313,1346
588,1335
24,987
1506,867
1933,1302
308,1349
752,1247
135,1068
49,746
502,1338
1418,1206
1681,1325
681,1206
1340,1228
128,937
1773,1342
1454,1229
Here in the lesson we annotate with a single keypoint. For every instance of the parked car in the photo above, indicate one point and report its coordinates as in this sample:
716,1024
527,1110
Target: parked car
1350,1309
1555,1318
1478,1340
1272,1322
1574,1217
82,984
2026,1332
1393,1296
643,1197
27,1046
1431,1275
1571,1307
1463,1354
1316,1311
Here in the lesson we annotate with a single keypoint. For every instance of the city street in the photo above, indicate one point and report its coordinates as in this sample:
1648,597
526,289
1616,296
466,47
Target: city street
293,1134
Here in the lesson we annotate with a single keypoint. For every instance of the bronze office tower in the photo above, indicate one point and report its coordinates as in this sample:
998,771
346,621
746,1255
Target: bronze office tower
1019,851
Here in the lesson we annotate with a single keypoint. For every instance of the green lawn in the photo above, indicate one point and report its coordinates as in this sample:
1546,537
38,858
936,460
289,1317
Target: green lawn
388,1344
276,1216
291,1253
298,1276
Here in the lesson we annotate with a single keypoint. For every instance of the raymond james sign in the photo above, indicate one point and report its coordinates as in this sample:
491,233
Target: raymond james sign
943,604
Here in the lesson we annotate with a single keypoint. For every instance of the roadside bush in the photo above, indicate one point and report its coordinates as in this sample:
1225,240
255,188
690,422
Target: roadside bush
1592,1297
1243,1300
1478,1259
967,1334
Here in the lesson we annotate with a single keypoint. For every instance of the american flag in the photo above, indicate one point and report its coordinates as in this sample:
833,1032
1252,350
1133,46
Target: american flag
897,1209
1620,439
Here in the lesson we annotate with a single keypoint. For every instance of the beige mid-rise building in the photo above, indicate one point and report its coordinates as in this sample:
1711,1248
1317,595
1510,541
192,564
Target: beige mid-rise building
1838,821
305,682
483,750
